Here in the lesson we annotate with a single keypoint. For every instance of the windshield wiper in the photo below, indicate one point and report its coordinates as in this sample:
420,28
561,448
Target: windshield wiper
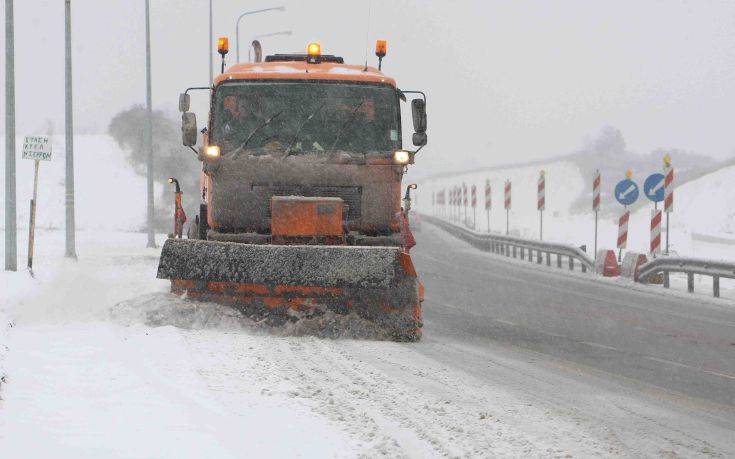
349,121
264,124
298,131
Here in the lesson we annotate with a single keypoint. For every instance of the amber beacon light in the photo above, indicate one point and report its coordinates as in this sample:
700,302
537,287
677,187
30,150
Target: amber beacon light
381,49
223,46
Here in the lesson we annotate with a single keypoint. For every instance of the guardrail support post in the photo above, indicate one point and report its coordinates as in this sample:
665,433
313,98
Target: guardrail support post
548,258
558,260
690,282
571,264
667,284
523,253
716,286
507,250
514,251
540,256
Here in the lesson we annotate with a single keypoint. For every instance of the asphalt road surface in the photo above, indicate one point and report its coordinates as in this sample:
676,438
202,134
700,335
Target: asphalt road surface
676,353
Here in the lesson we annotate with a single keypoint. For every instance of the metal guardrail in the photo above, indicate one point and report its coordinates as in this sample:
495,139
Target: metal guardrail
516,247
690,266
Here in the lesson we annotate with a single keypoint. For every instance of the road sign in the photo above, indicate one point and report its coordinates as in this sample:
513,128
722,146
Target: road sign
626,192
669,190
623,230
653,187
596,192
655,232
488,195
541,192
37,147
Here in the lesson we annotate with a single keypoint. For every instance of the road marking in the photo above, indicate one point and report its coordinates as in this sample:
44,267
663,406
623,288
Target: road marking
602,346
506,322
683,365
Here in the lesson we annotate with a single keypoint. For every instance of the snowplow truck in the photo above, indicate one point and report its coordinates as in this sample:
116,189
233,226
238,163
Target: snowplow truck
302,206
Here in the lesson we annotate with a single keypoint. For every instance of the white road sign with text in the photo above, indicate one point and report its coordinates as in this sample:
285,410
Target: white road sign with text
37,147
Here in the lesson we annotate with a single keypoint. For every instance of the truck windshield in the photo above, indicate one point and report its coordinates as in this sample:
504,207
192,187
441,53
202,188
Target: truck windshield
306,118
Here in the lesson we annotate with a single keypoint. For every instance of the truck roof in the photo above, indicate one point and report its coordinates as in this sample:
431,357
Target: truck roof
300,70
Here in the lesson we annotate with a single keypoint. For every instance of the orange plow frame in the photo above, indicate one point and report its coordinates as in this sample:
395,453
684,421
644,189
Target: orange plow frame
393,306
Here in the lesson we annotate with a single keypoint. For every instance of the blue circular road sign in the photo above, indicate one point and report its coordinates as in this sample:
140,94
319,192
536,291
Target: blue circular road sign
654,187
626,192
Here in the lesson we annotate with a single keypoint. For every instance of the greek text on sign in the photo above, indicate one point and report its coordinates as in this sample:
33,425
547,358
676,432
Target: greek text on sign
37,147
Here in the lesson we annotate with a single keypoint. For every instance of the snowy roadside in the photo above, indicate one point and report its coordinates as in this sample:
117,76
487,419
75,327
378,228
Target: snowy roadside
82,385
201,382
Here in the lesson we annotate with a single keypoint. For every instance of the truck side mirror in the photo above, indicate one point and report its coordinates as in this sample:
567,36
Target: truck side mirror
418,108
189,129
419,139
184,102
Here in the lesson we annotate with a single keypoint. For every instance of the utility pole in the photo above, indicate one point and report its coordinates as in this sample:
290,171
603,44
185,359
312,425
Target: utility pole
11,242
71,251
149,126
211,47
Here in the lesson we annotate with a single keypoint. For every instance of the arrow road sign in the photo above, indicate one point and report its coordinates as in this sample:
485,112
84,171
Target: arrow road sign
654,187
626,192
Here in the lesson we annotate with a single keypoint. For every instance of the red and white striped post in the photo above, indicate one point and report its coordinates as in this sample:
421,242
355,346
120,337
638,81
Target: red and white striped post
451,203
507,206
655,232
623,230
474,207
541,202
488,202
668,194
596,201
454,203
464,201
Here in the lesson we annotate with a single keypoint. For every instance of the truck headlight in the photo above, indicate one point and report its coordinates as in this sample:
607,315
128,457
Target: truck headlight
212,152
401,157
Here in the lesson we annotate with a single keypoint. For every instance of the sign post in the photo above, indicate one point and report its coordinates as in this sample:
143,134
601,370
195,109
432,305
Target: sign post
488,202
653,187
36,148
464,202
626,193
507,206
541,202
668,194
474,207
596,201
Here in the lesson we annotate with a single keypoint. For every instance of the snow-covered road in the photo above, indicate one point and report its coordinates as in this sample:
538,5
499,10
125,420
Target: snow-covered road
82,382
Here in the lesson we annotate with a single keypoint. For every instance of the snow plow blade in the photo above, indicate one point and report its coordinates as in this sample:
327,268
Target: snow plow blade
279,282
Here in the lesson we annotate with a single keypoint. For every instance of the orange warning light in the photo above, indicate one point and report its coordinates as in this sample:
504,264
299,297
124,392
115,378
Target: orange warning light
223,46
381,48
314,49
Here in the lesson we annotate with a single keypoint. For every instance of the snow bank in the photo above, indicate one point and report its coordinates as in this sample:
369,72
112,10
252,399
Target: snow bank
80,385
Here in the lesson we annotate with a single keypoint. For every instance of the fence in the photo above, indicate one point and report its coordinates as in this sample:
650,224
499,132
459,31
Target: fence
516,247
689,266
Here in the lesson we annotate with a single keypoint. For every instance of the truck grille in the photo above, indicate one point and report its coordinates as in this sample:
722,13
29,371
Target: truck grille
351,195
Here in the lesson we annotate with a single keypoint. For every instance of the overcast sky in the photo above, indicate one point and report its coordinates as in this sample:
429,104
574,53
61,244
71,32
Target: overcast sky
506,80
